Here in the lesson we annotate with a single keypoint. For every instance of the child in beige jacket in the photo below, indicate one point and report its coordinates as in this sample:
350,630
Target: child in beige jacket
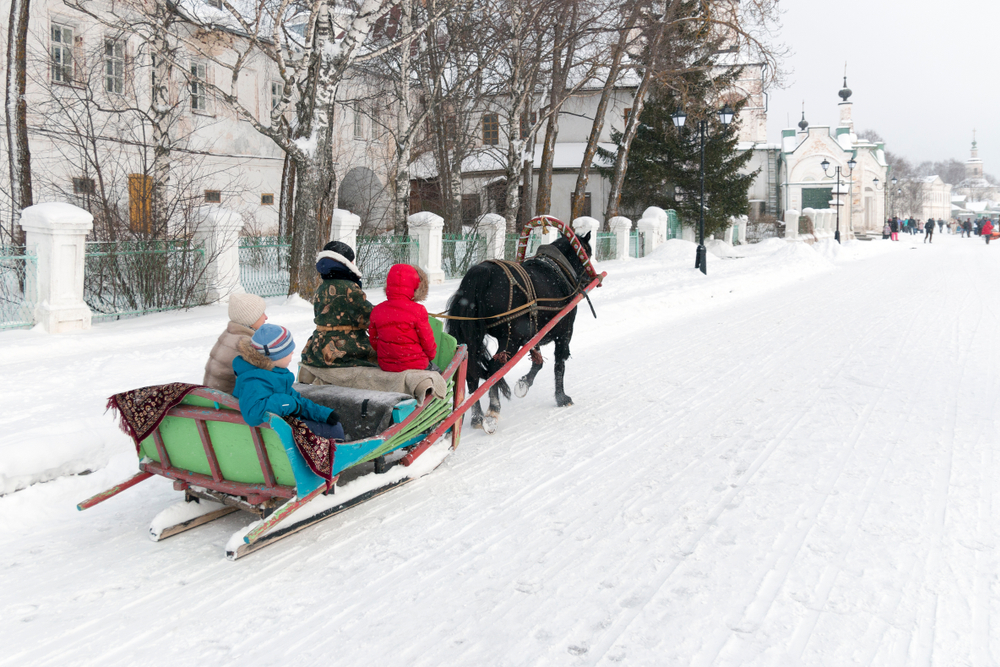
246,315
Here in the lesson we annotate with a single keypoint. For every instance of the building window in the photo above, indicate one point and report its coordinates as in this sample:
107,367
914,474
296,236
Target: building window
277,92
491,129
627,113
140,195
199,101
267,199
527,122
114,66
213,197
470,210
359,130
83,186
214,3
376,123
585,210
62,53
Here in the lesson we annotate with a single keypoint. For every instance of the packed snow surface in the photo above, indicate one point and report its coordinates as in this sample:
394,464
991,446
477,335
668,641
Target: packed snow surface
787,462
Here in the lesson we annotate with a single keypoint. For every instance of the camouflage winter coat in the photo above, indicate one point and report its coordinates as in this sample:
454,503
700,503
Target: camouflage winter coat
341,337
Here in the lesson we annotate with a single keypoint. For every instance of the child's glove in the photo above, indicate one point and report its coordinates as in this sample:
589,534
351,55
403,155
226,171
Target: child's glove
333,419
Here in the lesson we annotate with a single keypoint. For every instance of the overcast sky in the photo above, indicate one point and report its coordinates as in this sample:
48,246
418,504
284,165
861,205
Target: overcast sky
923,73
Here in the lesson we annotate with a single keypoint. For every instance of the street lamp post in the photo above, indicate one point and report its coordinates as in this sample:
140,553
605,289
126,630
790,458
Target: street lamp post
851,164
877,187
726,114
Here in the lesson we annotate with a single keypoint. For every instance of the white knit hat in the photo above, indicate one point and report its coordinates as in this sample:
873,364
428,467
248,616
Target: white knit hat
246,309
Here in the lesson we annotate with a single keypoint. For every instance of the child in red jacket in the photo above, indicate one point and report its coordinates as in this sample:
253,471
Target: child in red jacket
398,329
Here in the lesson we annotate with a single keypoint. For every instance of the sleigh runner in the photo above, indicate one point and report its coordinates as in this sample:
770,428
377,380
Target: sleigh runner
224,465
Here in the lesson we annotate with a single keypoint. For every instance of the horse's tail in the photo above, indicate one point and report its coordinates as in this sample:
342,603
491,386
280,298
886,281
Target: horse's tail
469,300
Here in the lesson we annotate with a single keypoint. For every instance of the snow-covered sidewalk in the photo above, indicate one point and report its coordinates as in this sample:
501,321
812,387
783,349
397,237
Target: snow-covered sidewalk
787,462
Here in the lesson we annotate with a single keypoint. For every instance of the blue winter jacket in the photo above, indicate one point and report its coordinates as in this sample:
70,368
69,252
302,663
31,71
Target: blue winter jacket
261,391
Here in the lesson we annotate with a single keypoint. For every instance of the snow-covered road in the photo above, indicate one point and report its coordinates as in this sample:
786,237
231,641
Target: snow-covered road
787,463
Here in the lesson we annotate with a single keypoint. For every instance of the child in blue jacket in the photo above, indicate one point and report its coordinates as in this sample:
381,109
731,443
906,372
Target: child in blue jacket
264,383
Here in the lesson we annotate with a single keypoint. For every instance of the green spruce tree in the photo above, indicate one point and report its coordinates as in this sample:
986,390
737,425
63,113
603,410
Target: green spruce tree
664,167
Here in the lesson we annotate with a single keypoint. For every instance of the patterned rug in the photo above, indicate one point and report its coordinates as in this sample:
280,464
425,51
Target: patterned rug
140,411
317,451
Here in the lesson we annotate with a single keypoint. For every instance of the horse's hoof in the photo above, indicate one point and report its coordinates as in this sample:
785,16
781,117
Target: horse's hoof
521,388
564,402
477,422
490,424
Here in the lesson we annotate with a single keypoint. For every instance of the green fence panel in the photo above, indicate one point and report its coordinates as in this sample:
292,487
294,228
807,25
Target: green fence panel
606,246
459,252
18,273
375,255
510,246
636,244
129,278
673,225
264,264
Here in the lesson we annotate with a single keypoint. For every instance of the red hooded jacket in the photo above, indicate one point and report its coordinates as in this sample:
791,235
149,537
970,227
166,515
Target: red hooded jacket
398,329
987,228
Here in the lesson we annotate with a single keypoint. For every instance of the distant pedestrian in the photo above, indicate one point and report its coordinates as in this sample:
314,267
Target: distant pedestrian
940,226
929,231
967,229
894,227
987,231
886,230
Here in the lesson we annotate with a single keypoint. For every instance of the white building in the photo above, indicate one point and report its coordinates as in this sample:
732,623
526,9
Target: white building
937,200
804,184
86,147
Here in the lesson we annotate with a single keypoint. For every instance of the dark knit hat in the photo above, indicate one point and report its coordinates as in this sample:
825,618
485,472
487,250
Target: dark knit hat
273,341
340,248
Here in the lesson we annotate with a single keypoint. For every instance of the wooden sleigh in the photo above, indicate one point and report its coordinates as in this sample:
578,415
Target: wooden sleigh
224,465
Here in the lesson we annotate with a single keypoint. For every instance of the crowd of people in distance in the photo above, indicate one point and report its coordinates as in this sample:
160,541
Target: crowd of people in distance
984,228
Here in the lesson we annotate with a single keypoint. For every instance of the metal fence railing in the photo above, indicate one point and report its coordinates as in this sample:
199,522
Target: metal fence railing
128,278
264,264
18,272
673,225
376,254
605,246
636,244
510,246
459,252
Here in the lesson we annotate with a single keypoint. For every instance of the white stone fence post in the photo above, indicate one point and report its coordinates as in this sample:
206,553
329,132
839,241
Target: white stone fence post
219,231
344,227
57,234
427,227
621,227
494,227
791,225
653,225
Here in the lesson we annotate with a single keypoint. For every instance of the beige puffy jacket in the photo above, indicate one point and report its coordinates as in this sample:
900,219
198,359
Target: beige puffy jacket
219,369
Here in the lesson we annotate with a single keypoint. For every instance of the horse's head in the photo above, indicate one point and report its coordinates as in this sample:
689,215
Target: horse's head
566,248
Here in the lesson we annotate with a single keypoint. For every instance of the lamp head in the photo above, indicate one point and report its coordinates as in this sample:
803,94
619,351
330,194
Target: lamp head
851,164
726,114
678,117
825,164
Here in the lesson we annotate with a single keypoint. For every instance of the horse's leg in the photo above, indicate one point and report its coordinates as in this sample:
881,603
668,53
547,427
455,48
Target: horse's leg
472,381
493,416
524,384
562,354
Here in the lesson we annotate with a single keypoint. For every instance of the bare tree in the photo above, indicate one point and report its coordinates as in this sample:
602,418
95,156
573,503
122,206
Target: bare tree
16,109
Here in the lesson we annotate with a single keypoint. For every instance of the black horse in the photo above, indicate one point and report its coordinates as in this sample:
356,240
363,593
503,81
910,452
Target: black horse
490,291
